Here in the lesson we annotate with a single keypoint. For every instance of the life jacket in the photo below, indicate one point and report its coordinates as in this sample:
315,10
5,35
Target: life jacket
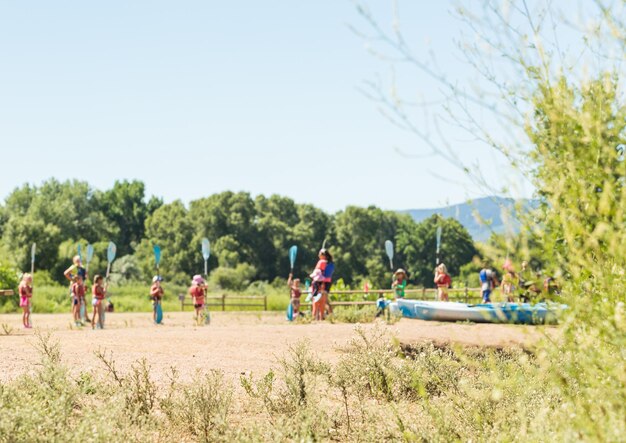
483,276
328,271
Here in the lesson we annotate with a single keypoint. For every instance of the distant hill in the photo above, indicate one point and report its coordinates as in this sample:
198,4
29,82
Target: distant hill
480,217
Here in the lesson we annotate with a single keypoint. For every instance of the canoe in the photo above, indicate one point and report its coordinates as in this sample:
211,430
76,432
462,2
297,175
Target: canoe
522,313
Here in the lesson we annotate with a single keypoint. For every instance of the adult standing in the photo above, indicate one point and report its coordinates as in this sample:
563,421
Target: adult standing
328,281
77,268
322,281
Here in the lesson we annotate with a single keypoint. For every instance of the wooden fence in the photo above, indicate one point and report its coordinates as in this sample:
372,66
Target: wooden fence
243,302
465,295
228,301
7,292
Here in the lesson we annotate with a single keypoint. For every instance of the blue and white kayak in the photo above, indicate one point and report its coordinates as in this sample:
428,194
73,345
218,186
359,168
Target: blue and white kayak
523,313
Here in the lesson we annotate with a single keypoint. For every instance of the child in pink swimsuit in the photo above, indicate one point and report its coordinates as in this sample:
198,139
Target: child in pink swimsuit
26,292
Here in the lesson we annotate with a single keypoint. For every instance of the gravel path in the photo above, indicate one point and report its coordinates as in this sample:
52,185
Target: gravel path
236,343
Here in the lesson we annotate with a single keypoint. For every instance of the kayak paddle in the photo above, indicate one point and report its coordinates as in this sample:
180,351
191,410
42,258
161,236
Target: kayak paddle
389,251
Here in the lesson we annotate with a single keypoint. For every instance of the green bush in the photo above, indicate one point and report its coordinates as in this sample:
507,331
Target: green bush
236,279
8,280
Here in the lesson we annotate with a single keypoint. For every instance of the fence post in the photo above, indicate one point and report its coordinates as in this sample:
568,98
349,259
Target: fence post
265,302
466,293
424,293
223,302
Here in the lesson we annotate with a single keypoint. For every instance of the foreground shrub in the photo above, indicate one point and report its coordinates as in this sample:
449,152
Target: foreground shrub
202,408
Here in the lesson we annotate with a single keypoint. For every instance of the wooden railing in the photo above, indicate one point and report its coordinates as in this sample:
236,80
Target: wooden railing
224,301
7,292
465,294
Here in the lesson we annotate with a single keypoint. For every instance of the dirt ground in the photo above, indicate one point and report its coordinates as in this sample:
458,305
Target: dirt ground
236,343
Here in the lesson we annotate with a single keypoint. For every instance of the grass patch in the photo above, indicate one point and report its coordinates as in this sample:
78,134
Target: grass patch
135,298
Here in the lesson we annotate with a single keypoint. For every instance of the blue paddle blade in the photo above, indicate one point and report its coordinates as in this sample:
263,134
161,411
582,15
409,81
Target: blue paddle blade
206,248
157,254
293,251
89,253
80,253
111,251
32,252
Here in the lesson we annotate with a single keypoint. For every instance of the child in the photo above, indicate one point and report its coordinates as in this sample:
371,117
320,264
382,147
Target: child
156,294
98,292
77,290
295,294
381,305
71,273
197,292
26,292
509,280
399,283
443,282
488,281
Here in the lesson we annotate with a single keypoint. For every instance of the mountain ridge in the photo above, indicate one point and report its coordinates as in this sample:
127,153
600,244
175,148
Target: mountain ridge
480,216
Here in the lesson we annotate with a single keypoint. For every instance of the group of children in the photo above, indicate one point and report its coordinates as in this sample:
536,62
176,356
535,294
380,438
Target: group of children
321,281
197,291
77,275
526,284
511,282
399,282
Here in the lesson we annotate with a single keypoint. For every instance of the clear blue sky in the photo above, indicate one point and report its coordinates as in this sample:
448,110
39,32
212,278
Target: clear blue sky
198,97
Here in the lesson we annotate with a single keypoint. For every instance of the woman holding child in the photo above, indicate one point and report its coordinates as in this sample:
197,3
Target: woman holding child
321,283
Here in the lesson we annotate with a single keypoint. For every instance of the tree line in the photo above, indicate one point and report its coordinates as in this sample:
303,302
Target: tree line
250,236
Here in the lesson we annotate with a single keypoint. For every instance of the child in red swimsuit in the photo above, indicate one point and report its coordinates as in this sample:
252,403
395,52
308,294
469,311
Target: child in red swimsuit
295,294
78,297
98,292
197,292
26,292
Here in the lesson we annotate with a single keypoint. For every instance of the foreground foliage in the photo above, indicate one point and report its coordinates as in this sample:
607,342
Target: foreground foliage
378,390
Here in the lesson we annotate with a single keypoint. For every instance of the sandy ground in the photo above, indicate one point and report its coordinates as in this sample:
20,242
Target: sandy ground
235,343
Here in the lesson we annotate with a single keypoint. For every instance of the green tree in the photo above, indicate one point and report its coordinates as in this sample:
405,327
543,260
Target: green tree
276,218
359,235
418,243
125,207
170,227
48,215
313,227
227,214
